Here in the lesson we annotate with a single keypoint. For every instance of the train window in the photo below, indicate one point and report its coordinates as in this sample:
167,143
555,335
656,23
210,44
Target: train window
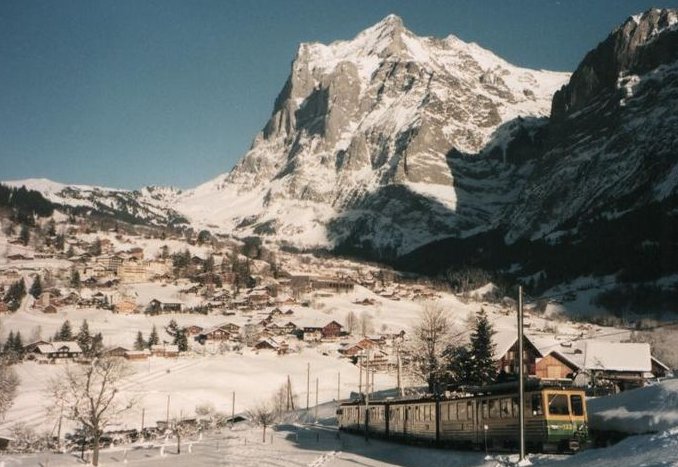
577,404
515,402
469,410
427,412
558,404
461,411
536,405
494,408
505,408
484,410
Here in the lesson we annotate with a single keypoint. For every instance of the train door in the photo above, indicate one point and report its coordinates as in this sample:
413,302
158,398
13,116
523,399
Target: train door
406,418
483,413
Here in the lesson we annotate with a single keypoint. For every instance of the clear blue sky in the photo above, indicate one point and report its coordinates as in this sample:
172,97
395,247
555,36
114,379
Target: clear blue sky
127,93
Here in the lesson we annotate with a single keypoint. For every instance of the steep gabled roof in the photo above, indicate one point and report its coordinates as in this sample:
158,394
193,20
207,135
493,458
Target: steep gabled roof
617,356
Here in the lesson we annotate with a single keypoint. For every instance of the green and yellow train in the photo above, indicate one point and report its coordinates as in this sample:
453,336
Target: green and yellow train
555,419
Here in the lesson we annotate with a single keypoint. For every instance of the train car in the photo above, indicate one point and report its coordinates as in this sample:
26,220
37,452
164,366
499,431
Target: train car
555,419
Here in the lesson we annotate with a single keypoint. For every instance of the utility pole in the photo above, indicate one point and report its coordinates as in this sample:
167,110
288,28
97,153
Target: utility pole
308,384
372,385
167,417
233,410
316,400
400,369
367,395
143,416
360,368
521,380
338,385
287,394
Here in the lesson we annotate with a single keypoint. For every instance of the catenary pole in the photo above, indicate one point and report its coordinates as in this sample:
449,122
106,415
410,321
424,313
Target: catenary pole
308,385
521,376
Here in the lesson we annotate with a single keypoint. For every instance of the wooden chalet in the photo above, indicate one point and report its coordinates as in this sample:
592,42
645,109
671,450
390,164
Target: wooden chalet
359,347
194,330
332,329
231,327
625,365
126,307
506,351
137,354
156,306
57,350
117,352
281,347
214,334
165,350
556,365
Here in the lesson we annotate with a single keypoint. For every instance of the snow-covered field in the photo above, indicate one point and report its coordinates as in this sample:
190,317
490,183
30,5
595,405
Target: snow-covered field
318,445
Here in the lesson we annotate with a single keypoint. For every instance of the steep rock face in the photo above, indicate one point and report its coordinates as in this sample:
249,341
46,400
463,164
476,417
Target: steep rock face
612,143
384,113
641,44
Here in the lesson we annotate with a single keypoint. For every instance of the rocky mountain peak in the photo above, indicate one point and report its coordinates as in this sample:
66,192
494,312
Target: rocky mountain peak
362,134
640,44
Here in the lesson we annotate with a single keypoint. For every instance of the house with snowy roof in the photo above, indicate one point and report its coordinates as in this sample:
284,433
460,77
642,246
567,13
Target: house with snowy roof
624,364
506,353
51,351
271,343
318,327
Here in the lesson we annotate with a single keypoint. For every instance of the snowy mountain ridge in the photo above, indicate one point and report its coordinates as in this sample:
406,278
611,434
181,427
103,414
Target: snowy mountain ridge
390,141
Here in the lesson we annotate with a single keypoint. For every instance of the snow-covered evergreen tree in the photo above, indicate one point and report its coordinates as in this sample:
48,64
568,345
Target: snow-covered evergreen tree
482,368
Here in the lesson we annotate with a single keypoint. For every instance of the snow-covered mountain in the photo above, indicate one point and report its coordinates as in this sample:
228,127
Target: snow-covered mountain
365,144
152,205
390,141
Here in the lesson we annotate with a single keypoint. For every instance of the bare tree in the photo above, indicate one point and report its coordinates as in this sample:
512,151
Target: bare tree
264,415
90,395
430,337
284,400
180,429
9,382
351,322
366,325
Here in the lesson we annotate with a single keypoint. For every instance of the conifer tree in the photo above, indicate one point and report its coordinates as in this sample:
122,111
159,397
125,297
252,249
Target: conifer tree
172,328
50,229
208,265
153,338
9,343
75,279
59,242
18,346
65,333
97,347
36,287
139,343
181,340
95,247
483,369
84,338
24,235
